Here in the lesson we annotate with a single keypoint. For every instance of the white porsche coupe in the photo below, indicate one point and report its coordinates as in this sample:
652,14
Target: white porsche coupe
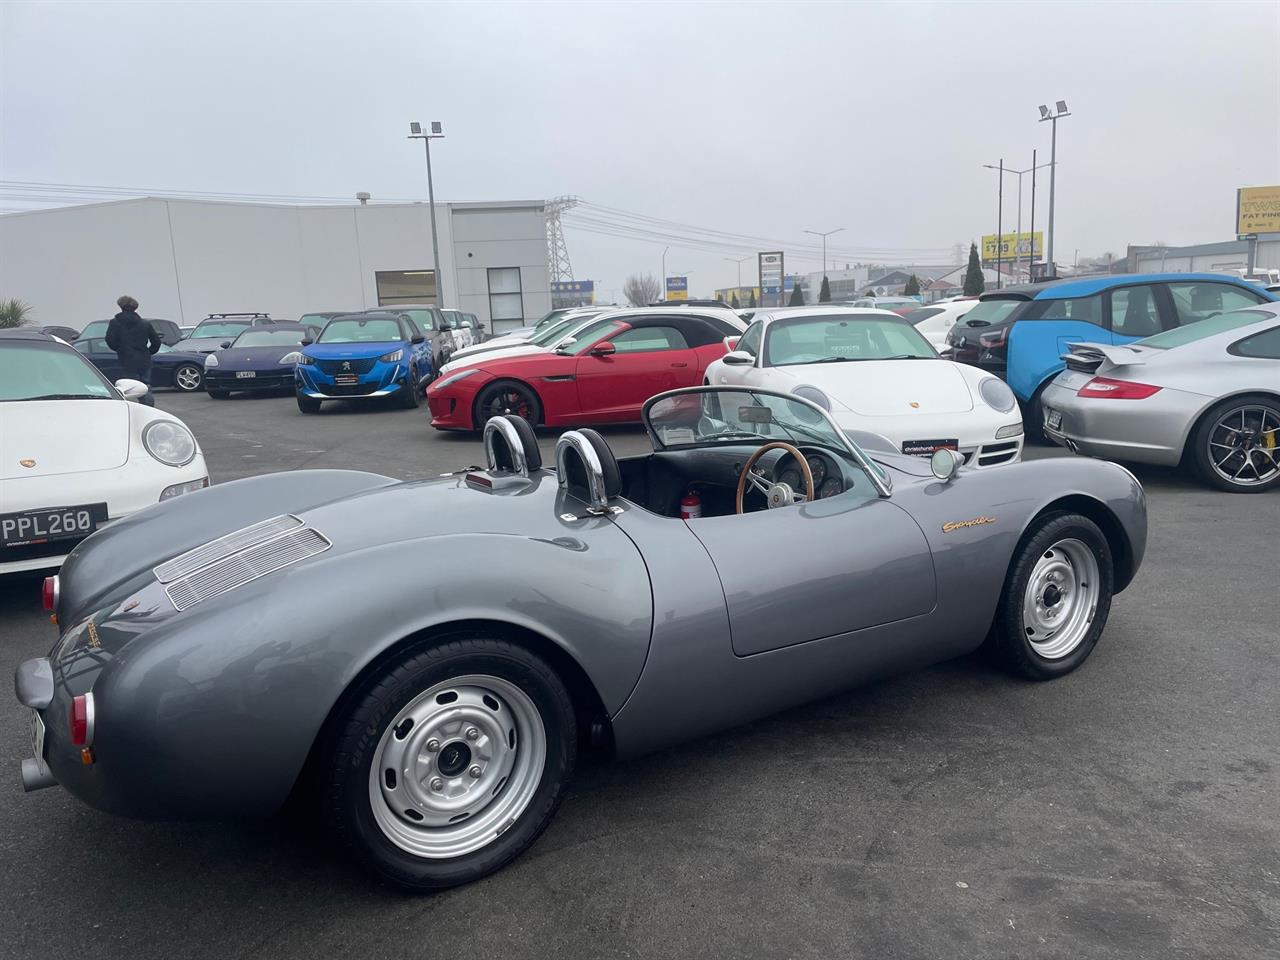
76,453
877,376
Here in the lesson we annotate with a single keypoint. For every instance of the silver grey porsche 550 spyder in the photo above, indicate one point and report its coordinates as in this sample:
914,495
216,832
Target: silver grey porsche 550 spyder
322,636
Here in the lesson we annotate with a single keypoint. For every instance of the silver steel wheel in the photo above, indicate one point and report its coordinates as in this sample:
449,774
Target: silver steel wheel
1244,446
188,378
457,766
1061,598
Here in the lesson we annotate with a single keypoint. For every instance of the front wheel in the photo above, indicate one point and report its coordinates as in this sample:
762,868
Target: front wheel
308,404
451,762
410,395
1236,447
188,378
507,396
1056,598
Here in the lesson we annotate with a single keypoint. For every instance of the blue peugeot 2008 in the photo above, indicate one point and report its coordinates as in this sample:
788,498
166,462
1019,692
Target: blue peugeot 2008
363,355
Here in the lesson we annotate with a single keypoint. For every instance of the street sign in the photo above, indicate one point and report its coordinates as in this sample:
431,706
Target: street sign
770,266
677,288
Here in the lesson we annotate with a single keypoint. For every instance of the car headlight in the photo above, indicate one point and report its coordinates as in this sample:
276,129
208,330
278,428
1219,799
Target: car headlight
996,394
211,360
813,395
303,358
395,356
178,489
1012,430
294,356
448,381
169,442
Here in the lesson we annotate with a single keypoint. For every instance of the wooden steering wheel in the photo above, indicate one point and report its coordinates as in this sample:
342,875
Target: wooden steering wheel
776,494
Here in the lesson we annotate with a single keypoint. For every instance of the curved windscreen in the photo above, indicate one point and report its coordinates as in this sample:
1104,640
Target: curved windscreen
219,328
45,371
269,338
357,330
832,338
1201,329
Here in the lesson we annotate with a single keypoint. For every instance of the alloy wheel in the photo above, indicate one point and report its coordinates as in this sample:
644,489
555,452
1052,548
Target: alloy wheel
1243,447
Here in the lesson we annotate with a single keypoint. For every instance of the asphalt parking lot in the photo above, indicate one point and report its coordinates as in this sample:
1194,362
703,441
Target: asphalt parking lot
1128,810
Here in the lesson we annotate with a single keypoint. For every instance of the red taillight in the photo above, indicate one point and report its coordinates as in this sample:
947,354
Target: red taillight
49,593
1103,388
80,720
995,338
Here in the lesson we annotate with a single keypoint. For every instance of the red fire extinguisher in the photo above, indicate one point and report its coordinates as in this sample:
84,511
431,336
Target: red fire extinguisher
691,506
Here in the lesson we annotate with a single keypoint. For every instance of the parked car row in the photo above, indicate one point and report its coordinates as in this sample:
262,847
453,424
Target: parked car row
1174,368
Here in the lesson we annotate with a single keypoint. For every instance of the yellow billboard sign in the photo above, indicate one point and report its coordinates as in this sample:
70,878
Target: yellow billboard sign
1258,210
1013,246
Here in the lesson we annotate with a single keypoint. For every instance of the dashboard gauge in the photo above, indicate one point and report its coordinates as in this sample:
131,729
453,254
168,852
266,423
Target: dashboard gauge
791,477
819,469
832,487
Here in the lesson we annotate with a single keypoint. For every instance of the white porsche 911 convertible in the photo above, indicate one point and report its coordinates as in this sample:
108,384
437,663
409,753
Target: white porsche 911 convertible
76,453
876,375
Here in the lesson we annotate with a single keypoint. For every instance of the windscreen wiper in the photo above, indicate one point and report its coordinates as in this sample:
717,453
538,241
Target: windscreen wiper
68,396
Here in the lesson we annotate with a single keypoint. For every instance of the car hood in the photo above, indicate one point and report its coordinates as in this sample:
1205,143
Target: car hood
351,351
63,436
881,388
501,343
256,358
200,344
179,356
518,352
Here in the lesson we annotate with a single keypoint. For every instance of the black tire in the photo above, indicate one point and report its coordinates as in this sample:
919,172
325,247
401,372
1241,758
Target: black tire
507,396
219,394
1009,642
348,807
1259,407
195,378
308,404
1033,417
410,394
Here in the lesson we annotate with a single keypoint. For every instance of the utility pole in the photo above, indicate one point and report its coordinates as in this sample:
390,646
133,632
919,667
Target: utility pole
1000,227
1031,269
415,133
1060,110
664,272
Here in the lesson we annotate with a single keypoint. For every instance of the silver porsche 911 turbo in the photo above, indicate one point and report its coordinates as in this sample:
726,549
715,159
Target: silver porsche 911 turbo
1205,395
321,635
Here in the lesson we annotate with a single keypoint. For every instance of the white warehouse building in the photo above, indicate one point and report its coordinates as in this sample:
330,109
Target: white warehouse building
185,259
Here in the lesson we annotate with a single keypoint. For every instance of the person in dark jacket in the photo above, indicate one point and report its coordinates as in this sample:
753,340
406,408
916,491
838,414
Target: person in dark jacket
135,341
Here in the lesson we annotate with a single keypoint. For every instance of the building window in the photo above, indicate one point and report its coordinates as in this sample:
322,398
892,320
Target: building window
506,301
405,286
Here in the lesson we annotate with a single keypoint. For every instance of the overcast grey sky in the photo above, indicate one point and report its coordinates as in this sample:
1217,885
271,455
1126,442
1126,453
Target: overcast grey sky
751,118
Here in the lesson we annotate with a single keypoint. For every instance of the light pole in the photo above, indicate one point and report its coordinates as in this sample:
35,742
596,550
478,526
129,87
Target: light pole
416,133
664,273
824,236
1059,110
1017,257
738,261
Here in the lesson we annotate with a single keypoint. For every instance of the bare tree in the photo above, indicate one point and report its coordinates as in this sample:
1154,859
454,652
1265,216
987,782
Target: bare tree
641,289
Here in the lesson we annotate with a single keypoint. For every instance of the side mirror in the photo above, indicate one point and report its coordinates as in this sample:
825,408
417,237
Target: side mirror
418,338
731,343
307,341
132,389
224,344
738,358
605,349
945,464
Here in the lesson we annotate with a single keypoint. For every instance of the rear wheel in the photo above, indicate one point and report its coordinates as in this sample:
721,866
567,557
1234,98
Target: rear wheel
507,396
451,762
308,404
188,378
1056,598
1236,446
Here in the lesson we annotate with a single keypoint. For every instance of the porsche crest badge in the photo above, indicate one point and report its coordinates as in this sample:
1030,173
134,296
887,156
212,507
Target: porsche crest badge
914,405
27,462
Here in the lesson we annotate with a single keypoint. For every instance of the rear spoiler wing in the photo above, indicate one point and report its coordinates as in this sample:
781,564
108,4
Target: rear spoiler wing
1095,353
